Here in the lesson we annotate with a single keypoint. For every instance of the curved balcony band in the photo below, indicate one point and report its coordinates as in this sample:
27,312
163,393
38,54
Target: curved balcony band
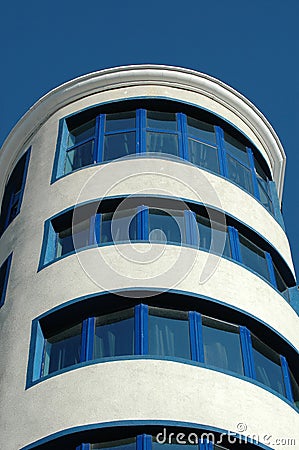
166,221
198,137
74,336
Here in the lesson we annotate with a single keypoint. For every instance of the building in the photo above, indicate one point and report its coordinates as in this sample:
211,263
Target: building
148,293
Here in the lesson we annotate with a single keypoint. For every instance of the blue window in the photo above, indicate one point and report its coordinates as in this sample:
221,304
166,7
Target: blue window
222,346
62,350
4,274
82,228
168,333
267,366
114,334
13,193
157,332
107,137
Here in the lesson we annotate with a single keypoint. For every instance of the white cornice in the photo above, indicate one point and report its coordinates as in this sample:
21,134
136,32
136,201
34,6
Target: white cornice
137,75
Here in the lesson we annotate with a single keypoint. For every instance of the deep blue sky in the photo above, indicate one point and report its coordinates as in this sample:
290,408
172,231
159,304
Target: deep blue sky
252,45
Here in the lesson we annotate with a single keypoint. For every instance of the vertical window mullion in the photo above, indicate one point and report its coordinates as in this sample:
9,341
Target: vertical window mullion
195,327
253,174
246,347
97,228
270,266
235,243
141,329
286,378
100,132
205,445
87,338
141,130
221,151
182,136
190,227
83,447
144,442
142,223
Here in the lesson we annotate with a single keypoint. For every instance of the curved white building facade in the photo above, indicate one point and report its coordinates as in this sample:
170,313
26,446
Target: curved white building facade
146,279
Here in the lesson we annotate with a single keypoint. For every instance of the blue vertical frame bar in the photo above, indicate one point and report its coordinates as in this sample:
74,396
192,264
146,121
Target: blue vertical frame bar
141,329
183,137
7,262
100,137
83,447
270,267
221,151
196,342
97,136
205,445
253,174
144,442
246,347
141,131
191,228
87,339
92,230
97,228
286,378
142,223
234,243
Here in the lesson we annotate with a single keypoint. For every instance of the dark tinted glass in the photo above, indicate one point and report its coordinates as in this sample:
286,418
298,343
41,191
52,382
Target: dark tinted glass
81,133
201,130
3,270
73,237
119,226
214,239
203,155
62,350
161,120
236,148
267,366
114,334
169,333
222,346
239,174
162,143
119,145
265,198
253,257
120,121
80,156
122,444
166,226
295,389
281,284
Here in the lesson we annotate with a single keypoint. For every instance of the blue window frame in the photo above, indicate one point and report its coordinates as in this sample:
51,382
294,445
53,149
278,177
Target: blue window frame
13,193
4,274
163,333
73,231
107,137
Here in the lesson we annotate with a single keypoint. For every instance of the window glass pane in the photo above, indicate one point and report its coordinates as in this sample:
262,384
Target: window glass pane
267,366
239,174
201,130
264,194
222,346
122,444
259,171
62,350
235,147
214,239
119,145
81,133
76,235
161,120
203,155
80,156
120,121
114,334
253,257
3,270
166,226
295,389
281,284
122,226
162,143
169,333
14,208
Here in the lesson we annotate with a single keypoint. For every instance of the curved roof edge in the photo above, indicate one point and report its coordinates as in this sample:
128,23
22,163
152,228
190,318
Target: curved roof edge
131,75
